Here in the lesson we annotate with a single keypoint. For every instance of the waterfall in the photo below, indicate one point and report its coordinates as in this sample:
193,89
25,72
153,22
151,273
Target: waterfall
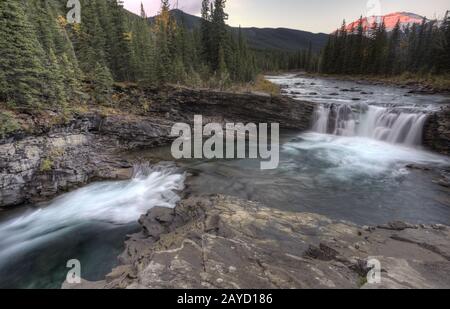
114,202
375,122
321,119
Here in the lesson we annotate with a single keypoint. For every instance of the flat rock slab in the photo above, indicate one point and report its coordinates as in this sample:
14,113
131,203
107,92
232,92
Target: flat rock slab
225,242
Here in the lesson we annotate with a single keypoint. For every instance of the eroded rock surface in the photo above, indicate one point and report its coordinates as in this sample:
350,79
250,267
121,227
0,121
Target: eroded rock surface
224,242
37,168
52,159
437,131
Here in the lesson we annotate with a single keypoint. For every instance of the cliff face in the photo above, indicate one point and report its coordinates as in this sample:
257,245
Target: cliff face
36,168
38,165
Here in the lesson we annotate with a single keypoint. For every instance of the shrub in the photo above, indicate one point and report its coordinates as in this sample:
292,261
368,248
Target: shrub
46,165
8,123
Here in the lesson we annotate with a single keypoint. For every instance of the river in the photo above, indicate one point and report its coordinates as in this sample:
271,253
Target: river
351,166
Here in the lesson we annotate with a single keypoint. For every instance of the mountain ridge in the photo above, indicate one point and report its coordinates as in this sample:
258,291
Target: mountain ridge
281,39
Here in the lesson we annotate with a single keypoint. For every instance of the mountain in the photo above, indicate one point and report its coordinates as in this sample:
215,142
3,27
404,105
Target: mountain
188,20
390,20
264,38
283,39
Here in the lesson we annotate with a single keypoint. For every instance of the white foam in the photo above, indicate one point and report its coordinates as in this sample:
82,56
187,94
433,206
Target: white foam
351,156
119,202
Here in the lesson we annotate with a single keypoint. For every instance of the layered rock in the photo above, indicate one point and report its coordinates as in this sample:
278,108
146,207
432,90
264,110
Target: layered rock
242,107
49,159
38,168
437,131
224,242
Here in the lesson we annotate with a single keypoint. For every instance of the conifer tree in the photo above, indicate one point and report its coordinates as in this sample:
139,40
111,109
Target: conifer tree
218,34
205,32
163,57
120,50
56,89
358,48
102,84
21,57
443,48
392,62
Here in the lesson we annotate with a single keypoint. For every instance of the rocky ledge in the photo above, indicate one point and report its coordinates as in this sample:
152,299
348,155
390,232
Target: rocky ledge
38,164
224,242
437,131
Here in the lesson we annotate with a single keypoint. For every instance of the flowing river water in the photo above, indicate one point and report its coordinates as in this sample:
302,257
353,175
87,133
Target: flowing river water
352,165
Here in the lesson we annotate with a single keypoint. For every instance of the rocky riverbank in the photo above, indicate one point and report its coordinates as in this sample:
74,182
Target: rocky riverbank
414,83
218,241
437,131
47,159
225,242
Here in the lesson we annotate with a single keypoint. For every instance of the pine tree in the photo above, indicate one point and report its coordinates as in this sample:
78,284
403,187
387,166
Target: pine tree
222,71
106,26
143,13
412,47
120,50
392,64
55,80
21,57
71,76
443,49
91,44
308,64
102,84
358,50
163,27
341,51
218,34
205,32
143,54
44,59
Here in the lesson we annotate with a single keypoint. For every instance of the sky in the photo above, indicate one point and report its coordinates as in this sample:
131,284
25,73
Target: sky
309,15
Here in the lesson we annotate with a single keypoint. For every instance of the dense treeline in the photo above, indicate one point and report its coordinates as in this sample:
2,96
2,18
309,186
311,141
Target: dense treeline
223,54
45,60
423,48
276,60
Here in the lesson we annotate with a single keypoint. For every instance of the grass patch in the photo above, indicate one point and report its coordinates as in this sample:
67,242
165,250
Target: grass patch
260,84
362,281
263,85
437,82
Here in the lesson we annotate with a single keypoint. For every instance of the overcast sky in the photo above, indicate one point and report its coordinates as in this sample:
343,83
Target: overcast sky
309,15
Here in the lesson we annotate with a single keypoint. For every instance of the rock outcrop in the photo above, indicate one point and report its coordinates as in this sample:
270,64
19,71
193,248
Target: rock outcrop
437,131
49,159
225,107
38,168
224,242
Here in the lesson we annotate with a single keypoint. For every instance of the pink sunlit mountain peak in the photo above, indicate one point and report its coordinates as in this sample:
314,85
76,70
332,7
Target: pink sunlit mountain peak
390,20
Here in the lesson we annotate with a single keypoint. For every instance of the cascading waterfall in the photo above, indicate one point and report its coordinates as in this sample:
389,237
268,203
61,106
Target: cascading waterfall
321,119
375,122
116,203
